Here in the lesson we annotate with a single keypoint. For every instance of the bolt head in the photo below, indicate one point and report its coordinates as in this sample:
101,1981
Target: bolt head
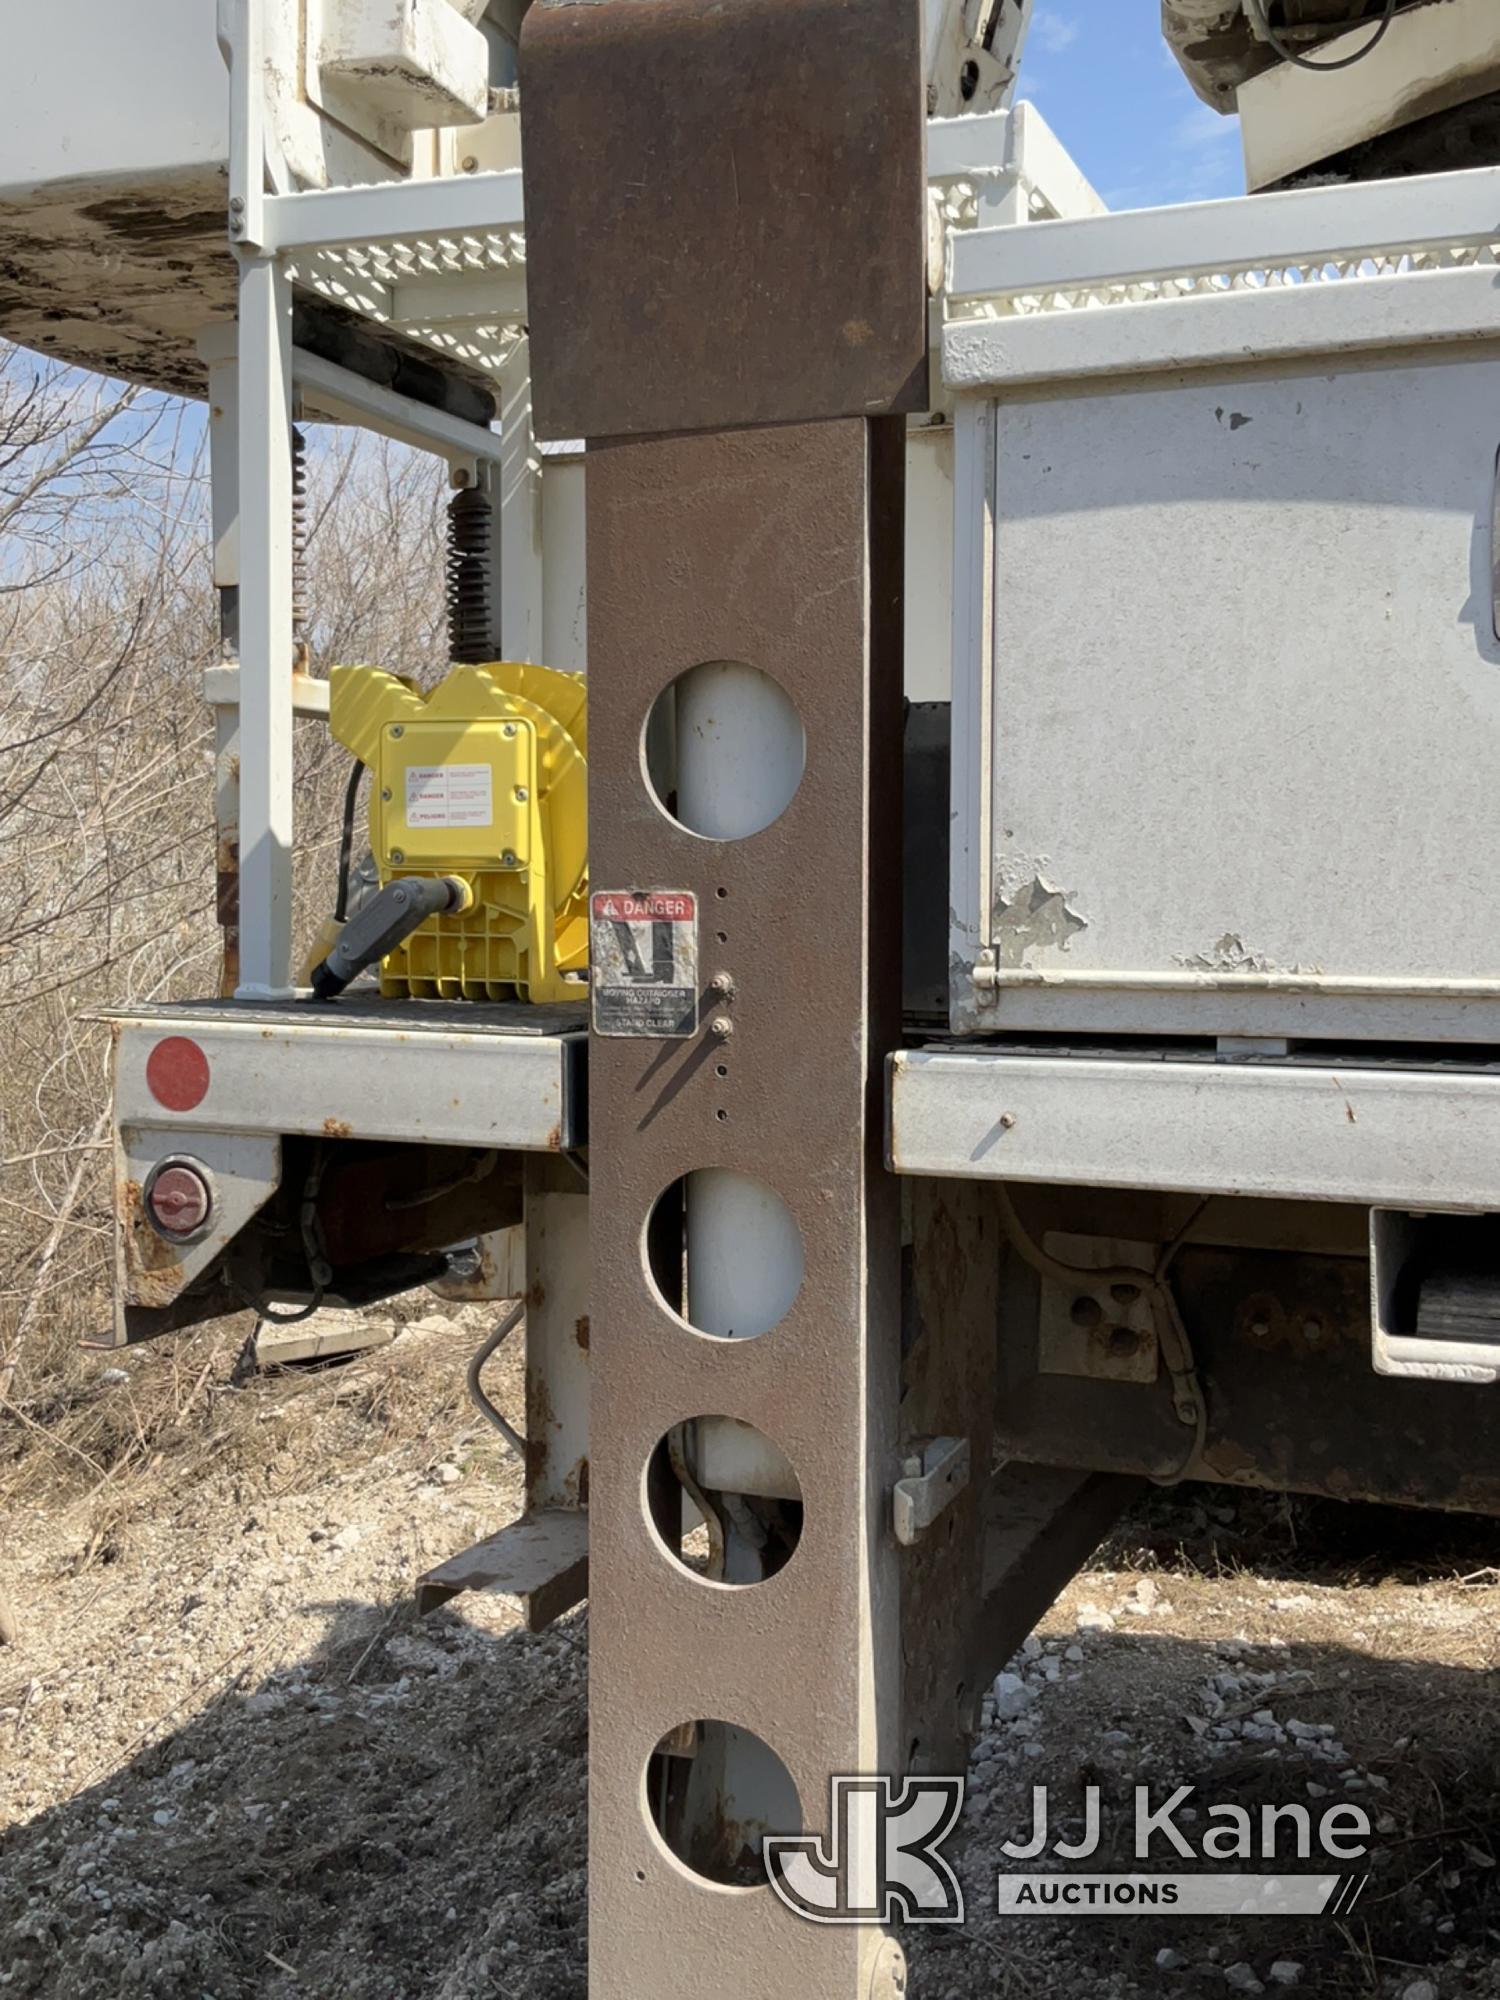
509,729
522,795
508,858
397,729
722,1026
398,855
387,794
722,982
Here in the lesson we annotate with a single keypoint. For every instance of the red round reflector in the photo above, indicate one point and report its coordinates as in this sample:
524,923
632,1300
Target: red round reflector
178,1201
177,1073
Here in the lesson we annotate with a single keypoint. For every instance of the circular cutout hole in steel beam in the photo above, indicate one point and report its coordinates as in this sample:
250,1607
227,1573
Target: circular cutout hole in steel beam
724,1253
725,1501
724,750
714,1791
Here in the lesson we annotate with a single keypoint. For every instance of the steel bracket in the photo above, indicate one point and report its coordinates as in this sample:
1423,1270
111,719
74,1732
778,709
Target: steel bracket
932,1482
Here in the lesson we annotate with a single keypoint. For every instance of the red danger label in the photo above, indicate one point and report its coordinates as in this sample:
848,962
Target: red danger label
667,907
643,963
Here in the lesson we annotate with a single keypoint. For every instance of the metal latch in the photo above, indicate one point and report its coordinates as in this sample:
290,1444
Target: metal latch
930,1485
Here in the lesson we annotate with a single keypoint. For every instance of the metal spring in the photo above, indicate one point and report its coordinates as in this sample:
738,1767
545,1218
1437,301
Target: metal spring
301,647
470,540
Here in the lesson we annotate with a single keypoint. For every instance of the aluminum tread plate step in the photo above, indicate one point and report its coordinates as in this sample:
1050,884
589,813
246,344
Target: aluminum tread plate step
357,1009
1420,1137
404,1071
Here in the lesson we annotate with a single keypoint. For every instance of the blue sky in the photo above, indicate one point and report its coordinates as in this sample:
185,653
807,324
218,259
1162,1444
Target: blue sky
1105,81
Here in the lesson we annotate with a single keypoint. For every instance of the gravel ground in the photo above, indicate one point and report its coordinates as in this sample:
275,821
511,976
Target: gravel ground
233,1763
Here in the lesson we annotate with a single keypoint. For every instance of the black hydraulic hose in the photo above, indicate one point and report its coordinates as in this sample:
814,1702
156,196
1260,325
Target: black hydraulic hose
477,1396
346,842
387,920
1301,61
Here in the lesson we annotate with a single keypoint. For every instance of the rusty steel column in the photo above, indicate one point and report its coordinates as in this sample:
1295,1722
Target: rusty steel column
779,545
726,276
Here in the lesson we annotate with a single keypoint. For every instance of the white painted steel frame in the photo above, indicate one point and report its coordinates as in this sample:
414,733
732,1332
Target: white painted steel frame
265,482
1397,1138
1356,315
1368,219
221,689
453,207
339,394
1213,284
520,588
971,846
1008,156
1366,267
256,441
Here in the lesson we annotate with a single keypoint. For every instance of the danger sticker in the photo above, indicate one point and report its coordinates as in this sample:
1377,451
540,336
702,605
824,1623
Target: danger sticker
450,795
643,963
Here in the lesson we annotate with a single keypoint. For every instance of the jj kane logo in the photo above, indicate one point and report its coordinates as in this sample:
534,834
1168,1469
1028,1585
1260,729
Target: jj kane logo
882,1860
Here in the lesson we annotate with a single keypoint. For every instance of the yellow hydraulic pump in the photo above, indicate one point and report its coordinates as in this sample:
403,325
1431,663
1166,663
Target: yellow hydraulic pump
484,779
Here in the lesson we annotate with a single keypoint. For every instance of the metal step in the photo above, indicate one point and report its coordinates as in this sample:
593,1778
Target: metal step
542,1559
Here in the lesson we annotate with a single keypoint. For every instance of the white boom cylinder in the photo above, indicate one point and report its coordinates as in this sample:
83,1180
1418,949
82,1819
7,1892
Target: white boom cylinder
740,753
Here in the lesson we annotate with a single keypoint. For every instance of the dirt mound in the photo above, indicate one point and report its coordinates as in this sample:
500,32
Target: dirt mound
234,1763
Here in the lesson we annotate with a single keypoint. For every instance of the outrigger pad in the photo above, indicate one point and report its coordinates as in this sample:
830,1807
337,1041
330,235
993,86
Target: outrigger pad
725,213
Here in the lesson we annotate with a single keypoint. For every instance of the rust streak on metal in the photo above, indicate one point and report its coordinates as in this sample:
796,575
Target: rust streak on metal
153,1268
541,1426
227,907
782,546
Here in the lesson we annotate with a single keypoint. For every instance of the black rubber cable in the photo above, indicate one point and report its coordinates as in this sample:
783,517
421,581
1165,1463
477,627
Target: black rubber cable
346,842
1300,61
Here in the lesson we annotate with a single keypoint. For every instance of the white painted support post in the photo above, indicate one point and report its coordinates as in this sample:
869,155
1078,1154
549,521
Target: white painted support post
740,751
557,1335
740,758
242,36
265,382
518,586
218,347
973,688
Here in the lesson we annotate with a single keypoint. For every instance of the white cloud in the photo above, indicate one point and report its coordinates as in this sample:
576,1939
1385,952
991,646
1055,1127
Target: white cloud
1203,127
1053,33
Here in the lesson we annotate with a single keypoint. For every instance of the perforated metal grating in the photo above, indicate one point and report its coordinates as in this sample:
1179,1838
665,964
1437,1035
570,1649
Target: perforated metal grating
367,278
1208,283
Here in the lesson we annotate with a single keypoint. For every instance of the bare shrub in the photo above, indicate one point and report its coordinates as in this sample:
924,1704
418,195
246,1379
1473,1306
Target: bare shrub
107,623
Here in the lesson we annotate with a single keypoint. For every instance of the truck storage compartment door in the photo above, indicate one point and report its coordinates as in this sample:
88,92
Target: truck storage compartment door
1245,702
